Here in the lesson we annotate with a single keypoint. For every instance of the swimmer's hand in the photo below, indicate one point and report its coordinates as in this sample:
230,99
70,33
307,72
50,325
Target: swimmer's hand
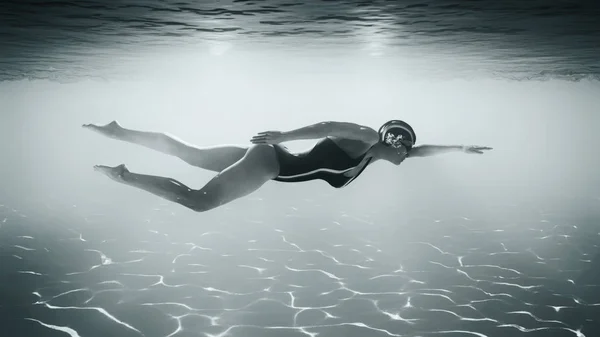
475,149
269,137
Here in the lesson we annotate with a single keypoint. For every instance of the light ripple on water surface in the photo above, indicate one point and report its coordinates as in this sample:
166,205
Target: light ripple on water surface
64,41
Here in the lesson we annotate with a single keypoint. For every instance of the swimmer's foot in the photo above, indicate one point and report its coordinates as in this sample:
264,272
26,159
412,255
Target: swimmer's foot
111,130
115,173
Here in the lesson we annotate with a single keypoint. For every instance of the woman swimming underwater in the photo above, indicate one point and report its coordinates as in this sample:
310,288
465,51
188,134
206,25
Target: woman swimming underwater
344,151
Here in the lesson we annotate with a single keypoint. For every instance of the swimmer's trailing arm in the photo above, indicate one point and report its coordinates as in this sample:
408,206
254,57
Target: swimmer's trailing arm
333,129
432,150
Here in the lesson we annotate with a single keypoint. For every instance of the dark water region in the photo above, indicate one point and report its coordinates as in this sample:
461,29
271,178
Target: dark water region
531,39
521,268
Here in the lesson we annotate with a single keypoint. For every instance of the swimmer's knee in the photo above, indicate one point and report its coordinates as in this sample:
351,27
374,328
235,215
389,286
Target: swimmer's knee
199,207
198,202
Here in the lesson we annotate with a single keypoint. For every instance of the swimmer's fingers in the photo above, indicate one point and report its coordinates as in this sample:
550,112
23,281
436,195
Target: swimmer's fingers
477,149
267,137
258,140
261,140
480,149
266,133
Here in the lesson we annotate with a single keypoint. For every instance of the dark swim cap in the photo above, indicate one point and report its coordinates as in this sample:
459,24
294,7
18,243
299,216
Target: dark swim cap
393,131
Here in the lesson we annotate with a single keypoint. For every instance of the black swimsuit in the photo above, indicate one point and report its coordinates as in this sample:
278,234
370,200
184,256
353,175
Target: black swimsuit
326,161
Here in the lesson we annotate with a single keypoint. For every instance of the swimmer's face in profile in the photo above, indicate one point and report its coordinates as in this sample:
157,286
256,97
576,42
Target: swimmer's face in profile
394,154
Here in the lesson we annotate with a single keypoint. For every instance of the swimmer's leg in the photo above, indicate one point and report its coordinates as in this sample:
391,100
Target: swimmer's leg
215,158
258,166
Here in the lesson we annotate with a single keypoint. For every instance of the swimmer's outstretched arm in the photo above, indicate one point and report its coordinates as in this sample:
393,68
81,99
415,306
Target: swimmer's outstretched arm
432,150
319,130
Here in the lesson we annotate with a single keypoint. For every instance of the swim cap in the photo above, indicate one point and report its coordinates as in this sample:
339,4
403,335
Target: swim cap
393,131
